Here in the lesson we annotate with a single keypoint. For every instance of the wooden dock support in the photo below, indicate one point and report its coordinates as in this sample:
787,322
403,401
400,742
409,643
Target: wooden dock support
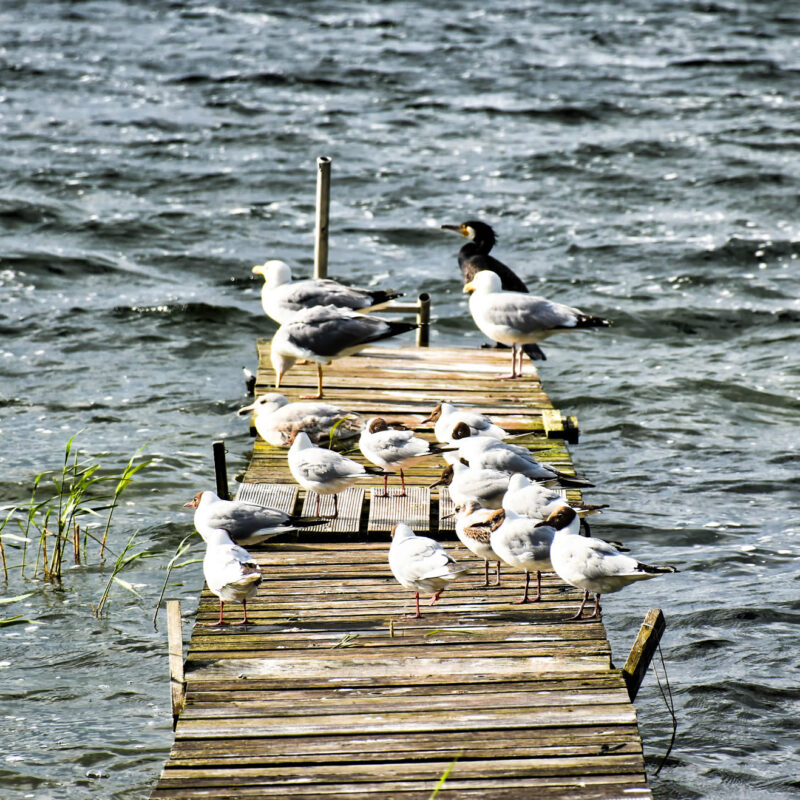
643,650
221,470
323,214
177,681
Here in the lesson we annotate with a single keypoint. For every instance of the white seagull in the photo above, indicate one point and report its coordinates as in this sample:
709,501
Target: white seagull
421,564
486,487
230,571
324,333
537,501
245,523
525,544
592,564
518,318
474,528
277,420
446,416
281,298
392,449
324,471
486,452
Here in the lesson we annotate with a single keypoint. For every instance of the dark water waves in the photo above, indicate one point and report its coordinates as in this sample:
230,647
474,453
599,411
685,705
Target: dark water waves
638,159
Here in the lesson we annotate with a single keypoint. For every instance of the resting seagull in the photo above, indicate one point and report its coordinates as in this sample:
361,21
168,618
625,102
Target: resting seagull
446,416
474,528
592,564
516,318
281,298
245,523
421,564
277,420
324,333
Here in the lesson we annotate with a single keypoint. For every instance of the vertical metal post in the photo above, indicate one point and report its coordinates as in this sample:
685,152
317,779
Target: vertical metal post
221,470
423,320
323,212
177,681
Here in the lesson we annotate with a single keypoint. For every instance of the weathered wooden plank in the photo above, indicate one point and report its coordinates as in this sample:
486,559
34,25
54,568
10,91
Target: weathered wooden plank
413,509
270,495
643,650
349,519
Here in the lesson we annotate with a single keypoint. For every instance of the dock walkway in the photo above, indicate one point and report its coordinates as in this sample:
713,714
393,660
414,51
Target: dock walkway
331,693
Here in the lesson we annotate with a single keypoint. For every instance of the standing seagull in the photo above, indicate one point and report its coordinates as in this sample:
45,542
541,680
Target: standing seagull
230,571
592,564
420,564
281,298
324,333
324,471
524,543
277,420
474,527
392,449
516,318
245,523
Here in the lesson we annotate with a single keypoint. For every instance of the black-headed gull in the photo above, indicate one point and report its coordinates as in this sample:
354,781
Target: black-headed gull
486,452
486,487
325,333
516,318
537,501
281,297
324,471
421,564
230,571
392,449
474,528
592,564
446,416
245,523
525,544
277,420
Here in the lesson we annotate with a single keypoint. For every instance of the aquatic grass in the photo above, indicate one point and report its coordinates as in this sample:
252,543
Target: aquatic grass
180,550
445,776
59,522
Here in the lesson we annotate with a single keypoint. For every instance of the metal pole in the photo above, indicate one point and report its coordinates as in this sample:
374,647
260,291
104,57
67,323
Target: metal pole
323,211
423,320
221,470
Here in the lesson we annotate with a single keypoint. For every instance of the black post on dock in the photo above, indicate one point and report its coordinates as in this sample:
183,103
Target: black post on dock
221,470
323,214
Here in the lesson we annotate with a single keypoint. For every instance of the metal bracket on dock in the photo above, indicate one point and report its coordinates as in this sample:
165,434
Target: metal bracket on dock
643,650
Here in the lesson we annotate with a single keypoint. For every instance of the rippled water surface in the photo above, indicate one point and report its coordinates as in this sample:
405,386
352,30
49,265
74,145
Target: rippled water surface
637,159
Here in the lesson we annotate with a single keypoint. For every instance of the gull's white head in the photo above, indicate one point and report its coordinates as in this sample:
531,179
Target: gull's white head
300,441
518,481
484,282
401,531
265,404
274,272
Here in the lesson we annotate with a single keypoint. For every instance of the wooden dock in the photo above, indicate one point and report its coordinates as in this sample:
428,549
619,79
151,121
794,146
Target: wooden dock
331,693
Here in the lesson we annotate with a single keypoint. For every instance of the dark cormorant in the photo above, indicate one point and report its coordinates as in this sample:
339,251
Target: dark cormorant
474,256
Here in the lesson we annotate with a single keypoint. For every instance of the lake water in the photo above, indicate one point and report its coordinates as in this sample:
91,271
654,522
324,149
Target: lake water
637,159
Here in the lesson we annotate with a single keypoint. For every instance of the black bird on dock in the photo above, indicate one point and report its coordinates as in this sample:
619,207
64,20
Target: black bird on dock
474,257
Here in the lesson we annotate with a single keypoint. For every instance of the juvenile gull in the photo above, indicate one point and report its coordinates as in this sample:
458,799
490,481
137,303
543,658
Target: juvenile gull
277,420
324,333
517,318
525,544
592,564
245,523
446,416
324,471
421,564
281,298
392,449
230,571
474,529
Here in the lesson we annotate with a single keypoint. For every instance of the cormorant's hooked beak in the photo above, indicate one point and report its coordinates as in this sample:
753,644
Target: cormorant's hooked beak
461,229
